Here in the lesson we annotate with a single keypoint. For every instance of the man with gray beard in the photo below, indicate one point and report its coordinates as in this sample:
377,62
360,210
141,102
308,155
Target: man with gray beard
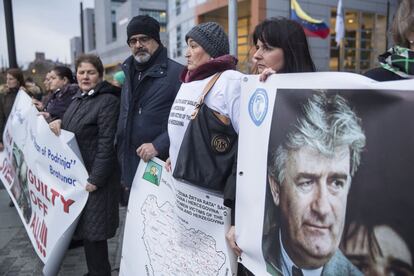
151,83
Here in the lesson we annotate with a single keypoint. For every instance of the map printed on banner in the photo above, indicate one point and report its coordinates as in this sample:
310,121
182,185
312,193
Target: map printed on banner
44,178
179,228
191,251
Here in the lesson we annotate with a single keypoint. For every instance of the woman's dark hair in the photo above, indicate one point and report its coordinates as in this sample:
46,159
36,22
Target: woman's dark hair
17,74
288,35
62,72
92,59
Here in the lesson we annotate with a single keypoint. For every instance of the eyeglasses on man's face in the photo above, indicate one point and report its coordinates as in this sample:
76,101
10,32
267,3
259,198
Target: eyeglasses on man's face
143,40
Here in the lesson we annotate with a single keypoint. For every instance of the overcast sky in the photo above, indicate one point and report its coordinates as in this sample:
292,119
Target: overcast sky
42,26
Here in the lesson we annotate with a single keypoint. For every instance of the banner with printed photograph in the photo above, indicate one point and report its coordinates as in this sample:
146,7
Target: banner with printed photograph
331,165
174,228
45,180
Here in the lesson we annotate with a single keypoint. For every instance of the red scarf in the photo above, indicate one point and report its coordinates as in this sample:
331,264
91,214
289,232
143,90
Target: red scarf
220,64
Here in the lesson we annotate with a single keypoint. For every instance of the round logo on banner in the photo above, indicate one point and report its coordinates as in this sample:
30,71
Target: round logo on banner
258,106
220,143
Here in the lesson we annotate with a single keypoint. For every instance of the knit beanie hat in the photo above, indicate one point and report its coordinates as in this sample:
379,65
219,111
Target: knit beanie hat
211,37
144,24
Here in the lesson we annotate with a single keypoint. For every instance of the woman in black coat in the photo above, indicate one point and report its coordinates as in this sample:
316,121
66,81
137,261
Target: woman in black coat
93,116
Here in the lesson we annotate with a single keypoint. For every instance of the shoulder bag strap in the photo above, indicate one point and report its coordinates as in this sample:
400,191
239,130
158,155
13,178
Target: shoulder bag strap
207,89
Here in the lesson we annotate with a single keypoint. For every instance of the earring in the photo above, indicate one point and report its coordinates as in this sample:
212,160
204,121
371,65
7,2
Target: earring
411,41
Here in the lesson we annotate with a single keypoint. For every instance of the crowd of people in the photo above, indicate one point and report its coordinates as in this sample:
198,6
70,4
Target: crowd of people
116,125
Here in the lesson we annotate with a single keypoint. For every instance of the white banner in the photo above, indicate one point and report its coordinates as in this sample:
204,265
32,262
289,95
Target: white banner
45,179
173,228
278,226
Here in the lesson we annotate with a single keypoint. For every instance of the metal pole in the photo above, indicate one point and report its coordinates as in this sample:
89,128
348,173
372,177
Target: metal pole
339,57
11,46
233,27
387,26
81,23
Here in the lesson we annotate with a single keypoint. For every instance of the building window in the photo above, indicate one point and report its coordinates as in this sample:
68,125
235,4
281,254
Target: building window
159,15
243,47
113,25
362,43
179,45
93,33
177,7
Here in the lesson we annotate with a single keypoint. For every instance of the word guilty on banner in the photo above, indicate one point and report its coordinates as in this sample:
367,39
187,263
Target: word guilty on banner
49,194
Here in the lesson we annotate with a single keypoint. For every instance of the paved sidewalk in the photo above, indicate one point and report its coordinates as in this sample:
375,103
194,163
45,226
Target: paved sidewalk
18,258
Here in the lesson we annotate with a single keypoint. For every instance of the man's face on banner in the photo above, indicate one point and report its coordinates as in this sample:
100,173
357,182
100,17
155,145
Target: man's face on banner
312,201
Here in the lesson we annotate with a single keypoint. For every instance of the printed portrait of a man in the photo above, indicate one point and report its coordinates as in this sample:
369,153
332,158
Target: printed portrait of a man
311,164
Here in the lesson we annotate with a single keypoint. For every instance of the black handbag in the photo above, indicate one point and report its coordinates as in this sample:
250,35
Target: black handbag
209,147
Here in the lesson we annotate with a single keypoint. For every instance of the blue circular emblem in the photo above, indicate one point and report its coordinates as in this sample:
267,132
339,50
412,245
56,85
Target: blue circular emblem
258,104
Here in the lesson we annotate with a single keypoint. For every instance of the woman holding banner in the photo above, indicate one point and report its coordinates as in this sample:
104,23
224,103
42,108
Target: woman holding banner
203,149
14,81
62,86
281,47
92,117
397,63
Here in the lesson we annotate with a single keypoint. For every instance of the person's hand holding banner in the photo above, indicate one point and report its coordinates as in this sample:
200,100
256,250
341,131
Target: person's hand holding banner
167,165
266,73
46,115
147,151
90,187
231,239
55,126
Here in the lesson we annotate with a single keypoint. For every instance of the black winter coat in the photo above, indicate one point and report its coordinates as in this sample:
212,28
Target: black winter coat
93,119
144,111
6,103
59,101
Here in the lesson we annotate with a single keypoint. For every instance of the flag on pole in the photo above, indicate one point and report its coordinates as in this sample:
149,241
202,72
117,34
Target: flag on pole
311,26
339,26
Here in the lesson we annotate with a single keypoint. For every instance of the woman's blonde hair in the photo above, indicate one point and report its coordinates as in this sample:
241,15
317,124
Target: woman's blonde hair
403,23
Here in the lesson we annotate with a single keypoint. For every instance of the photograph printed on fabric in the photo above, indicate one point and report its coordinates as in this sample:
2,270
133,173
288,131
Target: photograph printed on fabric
20,189
338,183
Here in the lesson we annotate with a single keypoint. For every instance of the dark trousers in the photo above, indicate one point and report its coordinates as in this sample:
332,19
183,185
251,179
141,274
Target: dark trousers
97,258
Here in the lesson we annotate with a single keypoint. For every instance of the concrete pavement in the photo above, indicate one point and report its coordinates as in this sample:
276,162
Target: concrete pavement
18,258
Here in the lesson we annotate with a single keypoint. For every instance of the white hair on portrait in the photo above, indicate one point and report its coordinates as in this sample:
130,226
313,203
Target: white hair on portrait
327,123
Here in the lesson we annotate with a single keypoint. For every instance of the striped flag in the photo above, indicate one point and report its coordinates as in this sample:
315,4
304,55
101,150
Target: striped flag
311,26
